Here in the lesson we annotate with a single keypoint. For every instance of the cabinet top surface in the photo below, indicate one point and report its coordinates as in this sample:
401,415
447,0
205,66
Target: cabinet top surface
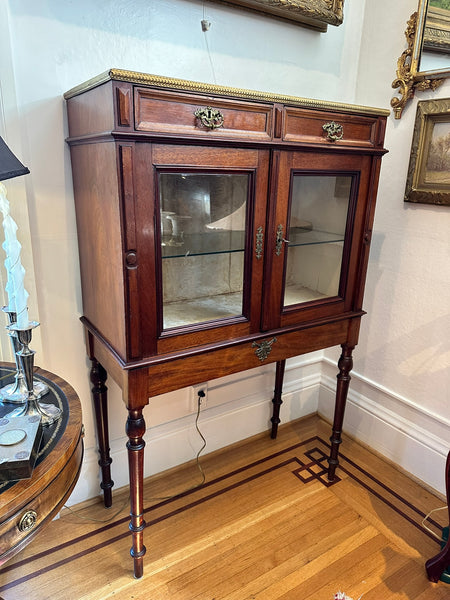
169,83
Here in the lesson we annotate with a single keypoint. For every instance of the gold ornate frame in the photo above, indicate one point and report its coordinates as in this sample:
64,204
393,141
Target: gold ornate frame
310,13
437,30
409,78
418,188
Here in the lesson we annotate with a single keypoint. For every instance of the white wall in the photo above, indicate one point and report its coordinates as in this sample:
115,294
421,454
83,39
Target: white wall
57,44
402,362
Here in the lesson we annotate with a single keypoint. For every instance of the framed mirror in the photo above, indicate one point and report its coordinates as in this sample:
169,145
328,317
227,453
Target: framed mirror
425,63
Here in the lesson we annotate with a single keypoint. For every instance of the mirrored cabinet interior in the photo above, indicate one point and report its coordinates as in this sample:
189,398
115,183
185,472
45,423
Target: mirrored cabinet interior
219,229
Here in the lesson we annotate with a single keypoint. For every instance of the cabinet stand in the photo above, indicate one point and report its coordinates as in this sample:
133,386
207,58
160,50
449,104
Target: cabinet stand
100,401
135,430
345,365
277,401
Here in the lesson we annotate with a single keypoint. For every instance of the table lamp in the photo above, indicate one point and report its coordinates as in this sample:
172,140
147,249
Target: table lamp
26,391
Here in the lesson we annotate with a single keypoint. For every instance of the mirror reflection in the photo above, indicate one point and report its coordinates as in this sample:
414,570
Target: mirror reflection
425,63
435,54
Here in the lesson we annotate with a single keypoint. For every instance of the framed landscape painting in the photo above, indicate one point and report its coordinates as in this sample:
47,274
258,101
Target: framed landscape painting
428,178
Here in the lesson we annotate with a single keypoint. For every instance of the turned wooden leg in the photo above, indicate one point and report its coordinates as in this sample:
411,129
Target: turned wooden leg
438,564
135,430
277,401
345,365
100,399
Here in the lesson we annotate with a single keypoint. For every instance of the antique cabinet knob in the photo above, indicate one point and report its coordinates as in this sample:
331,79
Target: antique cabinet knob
27,521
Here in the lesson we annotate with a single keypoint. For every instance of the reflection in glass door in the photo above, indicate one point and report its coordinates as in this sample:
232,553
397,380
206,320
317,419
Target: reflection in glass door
203,219
315,238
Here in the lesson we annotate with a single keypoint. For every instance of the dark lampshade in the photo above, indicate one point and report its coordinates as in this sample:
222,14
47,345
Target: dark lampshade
10,166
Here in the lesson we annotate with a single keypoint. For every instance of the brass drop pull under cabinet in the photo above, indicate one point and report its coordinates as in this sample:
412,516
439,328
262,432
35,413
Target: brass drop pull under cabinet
263,349
185,199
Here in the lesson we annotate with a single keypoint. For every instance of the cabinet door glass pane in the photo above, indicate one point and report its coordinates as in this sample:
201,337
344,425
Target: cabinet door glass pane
203,223
315,239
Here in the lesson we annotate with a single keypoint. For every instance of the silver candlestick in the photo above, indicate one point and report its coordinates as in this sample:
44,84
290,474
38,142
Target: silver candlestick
17,392
47,412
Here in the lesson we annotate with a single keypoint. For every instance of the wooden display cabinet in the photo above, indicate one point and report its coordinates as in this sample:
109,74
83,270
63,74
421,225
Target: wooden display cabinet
219,229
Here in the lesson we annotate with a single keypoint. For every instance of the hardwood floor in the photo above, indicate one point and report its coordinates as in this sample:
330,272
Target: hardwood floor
266,525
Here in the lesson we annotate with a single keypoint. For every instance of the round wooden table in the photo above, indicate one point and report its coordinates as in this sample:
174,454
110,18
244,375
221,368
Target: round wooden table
27,505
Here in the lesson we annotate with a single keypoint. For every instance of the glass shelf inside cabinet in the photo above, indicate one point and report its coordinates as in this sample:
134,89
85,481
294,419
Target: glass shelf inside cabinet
203,219
299,236
317,224
208,242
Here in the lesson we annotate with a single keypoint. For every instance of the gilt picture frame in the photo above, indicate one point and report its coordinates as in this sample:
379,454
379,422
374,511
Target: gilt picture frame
428,180
315,14
437,27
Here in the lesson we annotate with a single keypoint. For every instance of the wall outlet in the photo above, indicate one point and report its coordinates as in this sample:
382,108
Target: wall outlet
201,388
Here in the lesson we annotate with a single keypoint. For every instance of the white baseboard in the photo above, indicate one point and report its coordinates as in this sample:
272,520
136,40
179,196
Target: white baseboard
238,407
404,432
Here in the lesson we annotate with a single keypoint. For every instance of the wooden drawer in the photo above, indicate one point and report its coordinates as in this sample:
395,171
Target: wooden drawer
168,375
305,126
164,113
40,509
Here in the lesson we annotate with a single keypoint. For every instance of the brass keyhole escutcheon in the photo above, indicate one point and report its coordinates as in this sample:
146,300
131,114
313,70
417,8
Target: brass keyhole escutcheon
28,520
210,117
259,242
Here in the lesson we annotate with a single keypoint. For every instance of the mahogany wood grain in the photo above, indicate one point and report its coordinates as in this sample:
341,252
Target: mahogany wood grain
163,112
93,114
301,125
98,215
116,166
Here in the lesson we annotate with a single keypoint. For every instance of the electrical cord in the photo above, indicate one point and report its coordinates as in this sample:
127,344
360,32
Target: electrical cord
201,394
205,28
426,519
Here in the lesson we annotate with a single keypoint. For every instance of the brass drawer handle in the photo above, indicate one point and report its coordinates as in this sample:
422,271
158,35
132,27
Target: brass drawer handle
335,131
27,521
259,242
263,349
209,117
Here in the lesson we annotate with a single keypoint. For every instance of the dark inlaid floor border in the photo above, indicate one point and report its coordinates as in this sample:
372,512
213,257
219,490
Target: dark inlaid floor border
314,469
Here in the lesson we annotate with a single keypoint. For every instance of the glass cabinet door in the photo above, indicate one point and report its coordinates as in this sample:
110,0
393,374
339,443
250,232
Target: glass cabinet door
316,217
315,237
203,222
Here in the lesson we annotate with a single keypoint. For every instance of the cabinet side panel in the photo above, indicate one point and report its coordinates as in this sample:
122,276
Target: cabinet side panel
99,239
92,112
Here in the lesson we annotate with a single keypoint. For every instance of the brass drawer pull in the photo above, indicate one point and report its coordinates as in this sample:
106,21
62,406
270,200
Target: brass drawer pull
27,521
263,349
209,117
335,131
259,242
